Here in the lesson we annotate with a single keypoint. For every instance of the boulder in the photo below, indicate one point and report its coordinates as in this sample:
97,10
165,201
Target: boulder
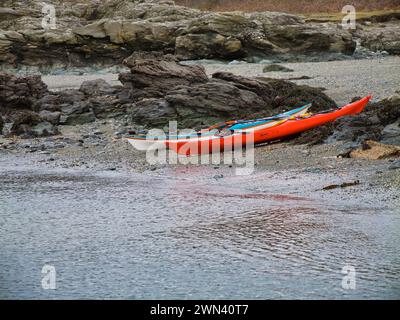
51,117
377,122
29,124
164,90
395,165
391,133
276,68
154,76
96,87
1,125
20,92
44,129
107,106
280,95
153,112
103,99
49,102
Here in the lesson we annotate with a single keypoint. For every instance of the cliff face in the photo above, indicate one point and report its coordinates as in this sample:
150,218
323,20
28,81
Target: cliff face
106,32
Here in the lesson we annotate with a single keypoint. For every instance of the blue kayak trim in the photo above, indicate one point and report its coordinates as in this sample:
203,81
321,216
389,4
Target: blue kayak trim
245,125
238,126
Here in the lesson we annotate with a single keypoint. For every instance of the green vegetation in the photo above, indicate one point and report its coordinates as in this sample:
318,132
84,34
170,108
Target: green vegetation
320,7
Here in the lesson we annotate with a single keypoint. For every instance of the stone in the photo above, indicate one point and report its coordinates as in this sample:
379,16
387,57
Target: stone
96,87
155,75
44,129
18,92
395,165
49,116
28,124
391,134
276,68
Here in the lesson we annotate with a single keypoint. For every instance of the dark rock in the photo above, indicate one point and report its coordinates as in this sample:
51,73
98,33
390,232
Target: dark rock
280,95
75,110
70,96
152,112
164,90
106,106
49,102
1,125
155,76
276,68
29,124
20,92
44,129
96,87
78,118
52,117
314,136
395,165
371,124
391,133
209,103
23,123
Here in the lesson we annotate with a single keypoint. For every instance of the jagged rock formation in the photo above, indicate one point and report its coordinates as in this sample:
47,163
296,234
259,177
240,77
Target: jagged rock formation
105,32
164,90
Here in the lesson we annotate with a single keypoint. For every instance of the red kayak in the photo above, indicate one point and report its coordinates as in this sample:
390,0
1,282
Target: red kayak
259,134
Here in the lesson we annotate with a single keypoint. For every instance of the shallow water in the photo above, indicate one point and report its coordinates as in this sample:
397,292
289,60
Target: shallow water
187,235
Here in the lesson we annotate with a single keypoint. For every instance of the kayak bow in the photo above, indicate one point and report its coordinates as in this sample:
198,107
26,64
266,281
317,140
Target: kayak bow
259,131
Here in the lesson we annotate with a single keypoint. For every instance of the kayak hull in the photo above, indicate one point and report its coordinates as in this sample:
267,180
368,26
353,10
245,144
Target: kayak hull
259,134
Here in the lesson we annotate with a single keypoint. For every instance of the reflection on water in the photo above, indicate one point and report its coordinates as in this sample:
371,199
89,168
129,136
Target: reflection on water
138,236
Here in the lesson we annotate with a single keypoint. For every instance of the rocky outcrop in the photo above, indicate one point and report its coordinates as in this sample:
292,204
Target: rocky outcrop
28,124
93,32
163,90
371,124
381,37
20,93
156,75
18,98
379,122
